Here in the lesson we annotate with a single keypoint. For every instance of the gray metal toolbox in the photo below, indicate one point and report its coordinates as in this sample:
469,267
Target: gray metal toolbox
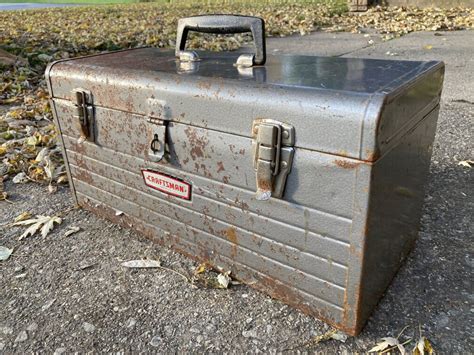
302,175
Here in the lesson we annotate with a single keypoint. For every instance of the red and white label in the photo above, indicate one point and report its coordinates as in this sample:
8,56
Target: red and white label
167,184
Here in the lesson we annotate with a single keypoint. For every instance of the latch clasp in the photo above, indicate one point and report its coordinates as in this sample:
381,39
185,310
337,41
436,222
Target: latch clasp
158,115
84,114
273,155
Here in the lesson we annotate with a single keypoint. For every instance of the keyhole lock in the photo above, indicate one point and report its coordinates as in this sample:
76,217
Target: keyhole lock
155,144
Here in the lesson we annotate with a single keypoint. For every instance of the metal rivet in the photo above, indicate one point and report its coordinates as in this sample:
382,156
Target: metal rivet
283,164
286,134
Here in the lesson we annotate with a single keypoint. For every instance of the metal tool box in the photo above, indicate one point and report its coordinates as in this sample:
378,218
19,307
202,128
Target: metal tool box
302,175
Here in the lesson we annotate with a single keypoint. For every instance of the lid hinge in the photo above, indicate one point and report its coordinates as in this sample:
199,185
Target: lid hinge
84,114
273,152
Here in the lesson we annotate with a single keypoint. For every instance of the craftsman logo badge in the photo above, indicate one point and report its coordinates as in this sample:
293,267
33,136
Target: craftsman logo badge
167,184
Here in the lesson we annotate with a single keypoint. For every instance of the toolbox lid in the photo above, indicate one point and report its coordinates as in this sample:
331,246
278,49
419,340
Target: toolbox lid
346,106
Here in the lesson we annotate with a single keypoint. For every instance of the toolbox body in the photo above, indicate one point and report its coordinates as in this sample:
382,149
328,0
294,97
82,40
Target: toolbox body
304,177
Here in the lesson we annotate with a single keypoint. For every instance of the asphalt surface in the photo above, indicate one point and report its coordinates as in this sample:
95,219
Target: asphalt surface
64,294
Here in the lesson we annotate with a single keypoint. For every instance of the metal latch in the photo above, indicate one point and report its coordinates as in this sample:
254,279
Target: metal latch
158,114
273,152
84,114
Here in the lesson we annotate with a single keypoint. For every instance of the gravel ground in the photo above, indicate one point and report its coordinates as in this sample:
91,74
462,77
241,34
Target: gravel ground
70,293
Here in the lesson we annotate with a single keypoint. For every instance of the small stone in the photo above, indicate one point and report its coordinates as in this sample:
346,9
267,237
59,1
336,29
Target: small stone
48,304
199,338
168,331
2,346
88,327
18,269
156,341
339,336
248,320
245,295
131,323
59,351
6,330
32,327
252,333
22,336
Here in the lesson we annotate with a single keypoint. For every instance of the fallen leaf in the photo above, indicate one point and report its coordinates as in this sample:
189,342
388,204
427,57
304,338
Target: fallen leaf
423,346
22,216
43,153
45,223
386,343
224,279
118,213
323,337
86,266
20,178
52,189
201,268
428,47
5,253
142,264
466,163
71,231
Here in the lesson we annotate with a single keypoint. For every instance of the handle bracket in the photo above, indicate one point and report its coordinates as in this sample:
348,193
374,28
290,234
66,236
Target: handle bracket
224,24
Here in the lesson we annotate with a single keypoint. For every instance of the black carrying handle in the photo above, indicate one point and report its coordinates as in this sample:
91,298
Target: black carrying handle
224,24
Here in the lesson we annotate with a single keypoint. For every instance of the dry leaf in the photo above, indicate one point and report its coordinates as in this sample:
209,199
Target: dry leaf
428,47
71,231
5,253
224,279
45,223
22,216
20,178
52,189
142,264
422,347
386,343
466,163
201,268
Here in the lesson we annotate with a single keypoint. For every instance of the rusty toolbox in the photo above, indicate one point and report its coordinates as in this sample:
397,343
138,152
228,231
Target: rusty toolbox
302,175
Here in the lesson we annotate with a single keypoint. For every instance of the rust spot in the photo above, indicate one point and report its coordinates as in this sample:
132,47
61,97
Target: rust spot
264,184
371,155
232,237
198,143
346,164
84,175
220,167
204,85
